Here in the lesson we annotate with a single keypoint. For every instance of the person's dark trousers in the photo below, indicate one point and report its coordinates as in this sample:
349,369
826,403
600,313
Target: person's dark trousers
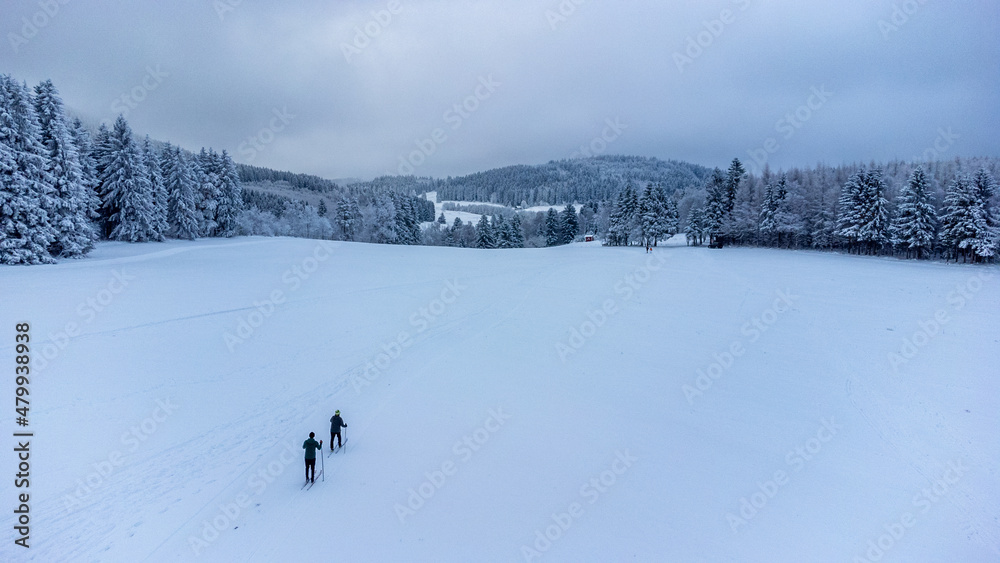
337,436
311,464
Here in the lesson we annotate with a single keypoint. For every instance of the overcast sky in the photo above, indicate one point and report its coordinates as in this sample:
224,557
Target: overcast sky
359,89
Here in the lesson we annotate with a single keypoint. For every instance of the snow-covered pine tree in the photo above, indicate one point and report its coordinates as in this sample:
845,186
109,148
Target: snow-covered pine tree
100,151
401,219
741,227
25,186
100,147
624,223
231,196
441,220
88,172
448,238
767,226
569,224
849,209
819,219
614,234
178,180
671,217
502,231
985,186
716,206
160,225
553,235
788,219
207,195
410,232
413,219
348,218
913,225
485,237
733,178
455,233
695,229
959,218
516,232
631,214
384,222
322,211
779,223
72,213
650,216
873,229
126,192
467,236
987,234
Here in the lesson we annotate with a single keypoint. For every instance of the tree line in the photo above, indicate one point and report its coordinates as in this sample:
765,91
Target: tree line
951,217
642,219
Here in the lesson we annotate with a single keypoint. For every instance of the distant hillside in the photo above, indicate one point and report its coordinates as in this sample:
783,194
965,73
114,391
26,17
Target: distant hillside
256,174
287,191
312,189
286,187
406,185
586,179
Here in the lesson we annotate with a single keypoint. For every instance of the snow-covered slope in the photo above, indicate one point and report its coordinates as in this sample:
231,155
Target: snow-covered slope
450,216
578,403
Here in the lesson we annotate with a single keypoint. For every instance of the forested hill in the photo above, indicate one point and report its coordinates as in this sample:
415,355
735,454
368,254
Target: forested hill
254,174
587,179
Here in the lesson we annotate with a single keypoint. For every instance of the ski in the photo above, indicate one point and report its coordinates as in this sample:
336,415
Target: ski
309,484
340,447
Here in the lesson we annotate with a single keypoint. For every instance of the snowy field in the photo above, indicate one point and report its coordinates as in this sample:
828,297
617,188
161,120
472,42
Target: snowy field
450,216
578,403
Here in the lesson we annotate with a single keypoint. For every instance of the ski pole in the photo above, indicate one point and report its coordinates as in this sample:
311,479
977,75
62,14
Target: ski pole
322,461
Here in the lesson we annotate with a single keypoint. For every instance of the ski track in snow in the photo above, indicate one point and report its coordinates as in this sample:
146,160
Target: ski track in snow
154,254
328,391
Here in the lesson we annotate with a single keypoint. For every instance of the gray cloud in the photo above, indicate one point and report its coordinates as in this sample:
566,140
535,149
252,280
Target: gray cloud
894,83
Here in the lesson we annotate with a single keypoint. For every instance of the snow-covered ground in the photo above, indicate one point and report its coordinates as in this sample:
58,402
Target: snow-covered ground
577,403
450,216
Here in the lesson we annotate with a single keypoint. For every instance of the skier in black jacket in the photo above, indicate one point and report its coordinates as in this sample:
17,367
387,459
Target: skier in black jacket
336,423
310,446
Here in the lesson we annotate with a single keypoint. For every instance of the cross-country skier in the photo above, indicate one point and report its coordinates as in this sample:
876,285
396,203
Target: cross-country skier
310,446
336,423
